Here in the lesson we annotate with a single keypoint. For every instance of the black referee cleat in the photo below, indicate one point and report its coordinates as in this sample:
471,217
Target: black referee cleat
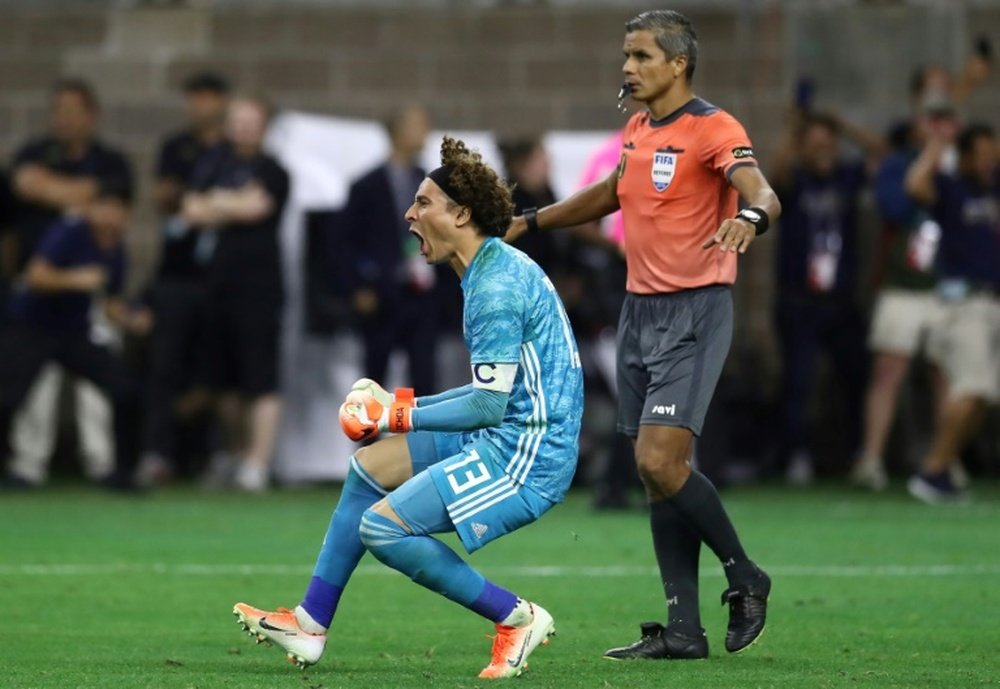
747,611
660,643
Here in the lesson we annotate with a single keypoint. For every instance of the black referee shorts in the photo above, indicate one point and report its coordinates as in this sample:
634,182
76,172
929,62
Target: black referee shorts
671,349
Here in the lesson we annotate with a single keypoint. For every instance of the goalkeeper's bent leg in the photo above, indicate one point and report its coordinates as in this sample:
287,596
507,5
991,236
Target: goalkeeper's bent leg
434,566
342,547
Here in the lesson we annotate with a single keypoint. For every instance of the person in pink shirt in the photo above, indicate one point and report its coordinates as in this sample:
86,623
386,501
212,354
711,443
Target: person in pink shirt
601,163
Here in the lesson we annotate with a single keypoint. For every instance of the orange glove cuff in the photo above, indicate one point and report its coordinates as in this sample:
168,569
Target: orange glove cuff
399,413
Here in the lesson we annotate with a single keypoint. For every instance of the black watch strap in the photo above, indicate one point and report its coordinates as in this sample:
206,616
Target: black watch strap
756,217
531,219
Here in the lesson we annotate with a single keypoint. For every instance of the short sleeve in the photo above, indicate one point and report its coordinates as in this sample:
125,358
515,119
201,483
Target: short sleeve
58,244
275,179
494,325
727,146
116,170
890,195
169,164
33,152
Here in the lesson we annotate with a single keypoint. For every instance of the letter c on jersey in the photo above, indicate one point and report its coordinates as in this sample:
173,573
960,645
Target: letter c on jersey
485,379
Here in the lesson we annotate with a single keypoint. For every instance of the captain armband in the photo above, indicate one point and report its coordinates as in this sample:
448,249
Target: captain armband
496,377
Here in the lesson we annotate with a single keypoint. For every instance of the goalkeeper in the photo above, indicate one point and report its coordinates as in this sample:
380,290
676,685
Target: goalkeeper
481,460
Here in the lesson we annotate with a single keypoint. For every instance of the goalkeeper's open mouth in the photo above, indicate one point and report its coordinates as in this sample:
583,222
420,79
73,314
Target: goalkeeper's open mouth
420,238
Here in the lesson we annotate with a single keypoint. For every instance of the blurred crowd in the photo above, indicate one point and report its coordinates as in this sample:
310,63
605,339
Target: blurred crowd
180,377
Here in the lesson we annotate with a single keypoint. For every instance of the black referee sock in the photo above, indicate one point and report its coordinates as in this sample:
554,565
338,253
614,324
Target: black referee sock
699,502
677,547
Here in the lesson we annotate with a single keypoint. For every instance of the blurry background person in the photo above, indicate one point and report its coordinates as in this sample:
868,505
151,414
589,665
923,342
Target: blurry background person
52,175
935,83
239,194
906,308
967,342
526,163
179,293
7,241
818,276
77,258
397,300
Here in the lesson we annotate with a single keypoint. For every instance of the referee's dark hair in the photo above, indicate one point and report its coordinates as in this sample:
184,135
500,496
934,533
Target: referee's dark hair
674,34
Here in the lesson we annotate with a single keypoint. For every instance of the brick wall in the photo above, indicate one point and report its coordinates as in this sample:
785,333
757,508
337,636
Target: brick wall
511,69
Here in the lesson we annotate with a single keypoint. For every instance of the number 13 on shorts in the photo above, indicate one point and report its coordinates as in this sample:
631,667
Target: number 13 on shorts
474,475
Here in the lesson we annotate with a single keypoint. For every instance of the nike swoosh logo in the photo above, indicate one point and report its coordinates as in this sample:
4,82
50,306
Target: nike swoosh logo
517,661
271,628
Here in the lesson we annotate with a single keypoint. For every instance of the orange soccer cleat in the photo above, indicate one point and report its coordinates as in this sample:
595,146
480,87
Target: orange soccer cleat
513,645
281,627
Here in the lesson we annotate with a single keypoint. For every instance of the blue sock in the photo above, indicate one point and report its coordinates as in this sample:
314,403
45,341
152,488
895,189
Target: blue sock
342,547
434,566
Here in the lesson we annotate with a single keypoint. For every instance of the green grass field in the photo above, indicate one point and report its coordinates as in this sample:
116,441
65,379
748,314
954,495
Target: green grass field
121,593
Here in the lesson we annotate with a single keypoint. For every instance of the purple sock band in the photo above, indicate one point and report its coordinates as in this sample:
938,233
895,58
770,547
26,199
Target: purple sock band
321,600
494,603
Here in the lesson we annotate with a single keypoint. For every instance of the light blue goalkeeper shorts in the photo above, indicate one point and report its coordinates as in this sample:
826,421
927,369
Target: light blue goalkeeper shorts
458,486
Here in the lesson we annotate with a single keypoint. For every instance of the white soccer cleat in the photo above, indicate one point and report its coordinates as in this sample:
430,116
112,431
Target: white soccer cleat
281,627
513,645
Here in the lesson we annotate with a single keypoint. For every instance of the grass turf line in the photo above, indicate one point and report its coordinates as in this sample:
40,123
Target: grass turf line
124,626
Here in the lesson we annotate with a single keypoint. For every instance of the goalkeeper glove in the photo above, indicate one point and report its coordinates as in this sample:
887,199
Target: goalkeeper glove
368,385
365,415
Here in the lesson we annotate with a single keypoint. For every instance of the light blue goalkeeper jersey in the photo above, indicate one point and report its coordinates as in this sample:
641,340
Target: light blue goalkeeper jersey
513,314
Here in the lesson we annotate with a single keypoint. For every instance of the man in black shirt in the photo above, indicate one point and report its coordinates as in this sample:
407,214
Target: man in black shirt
64,169
179,293
58,173
238,198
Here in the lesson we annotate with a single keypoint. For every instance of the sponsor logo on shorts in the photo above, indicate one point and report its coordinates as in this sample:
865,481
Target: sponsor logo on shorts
664,410
743,152
479,529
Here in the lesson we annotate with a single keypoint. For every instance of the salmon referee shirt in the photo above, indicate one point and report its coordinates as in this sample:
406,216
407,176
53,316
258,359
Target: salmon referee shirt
673,187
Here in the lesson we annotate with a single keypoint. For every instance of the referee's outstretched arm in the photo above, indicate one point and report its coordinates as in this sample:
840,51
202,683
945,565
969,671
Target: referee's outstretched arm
735,234
591,203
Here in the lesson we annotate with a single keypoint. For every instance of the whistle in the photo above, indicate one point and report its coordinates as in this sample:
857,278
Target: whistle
623,93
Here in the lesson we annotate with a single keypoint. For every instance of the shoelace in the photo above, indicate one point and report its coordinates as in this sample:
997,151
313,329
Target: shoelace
502,643
741,603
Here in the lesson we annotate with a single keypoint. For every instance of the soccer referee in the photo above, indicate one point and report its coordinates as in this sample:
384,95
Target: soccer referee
683,165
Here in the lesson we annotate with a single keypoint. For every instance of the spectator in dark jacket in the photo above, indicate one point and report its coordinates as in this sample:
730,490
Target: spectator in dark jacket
398,297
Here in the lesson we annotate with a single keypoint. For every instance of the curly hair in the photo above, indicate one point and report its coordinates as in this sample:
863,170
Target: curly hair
477,186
